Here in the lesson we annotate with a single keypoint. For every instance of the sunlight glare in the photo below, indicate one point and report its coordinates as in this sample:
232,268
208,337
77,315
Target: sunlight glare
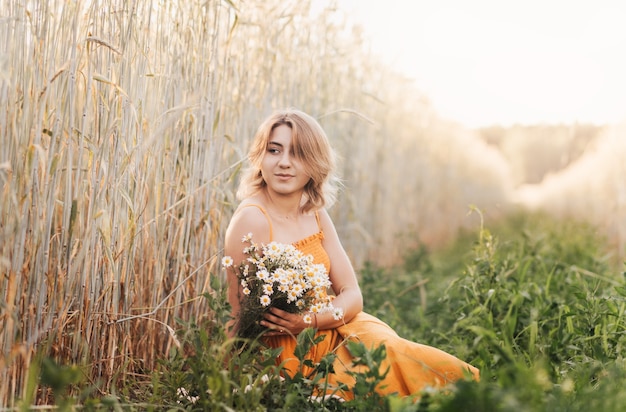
486,61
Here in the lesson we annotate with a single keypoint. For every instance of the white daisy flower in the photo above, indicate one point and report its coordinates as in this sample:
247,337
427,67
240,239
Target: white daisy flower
227,261
291,296
337,313
262,274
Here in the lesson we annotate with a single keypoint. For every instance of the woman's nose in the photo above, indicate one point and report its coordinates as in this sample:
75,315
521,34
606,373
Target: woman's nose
285,160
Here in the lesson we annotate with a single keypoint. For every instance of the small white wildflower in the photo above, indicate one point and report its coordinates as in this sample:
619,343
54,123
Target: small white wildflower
325,398
277,275
292,296
265,300
227,261
183,394
298,289
337,313
262,274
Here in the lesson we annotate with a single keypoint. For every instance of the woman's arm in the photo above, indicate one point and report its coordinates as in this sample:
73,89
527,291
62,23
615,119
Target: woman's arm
245,220
343,278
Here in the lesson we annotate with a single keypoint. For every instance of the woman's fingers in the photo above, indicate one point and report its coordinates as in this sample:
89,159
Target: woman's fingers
274,323
280,313
281,322
274,329
282,318
273,319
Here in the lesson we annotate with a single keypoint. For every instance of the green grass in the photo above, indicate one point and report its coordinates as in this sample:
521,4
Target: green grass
123,127
538,308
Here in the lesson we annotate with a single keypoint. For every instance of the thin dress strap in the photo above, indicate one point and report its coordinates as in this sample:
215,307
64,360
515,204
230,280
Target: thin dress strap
266,215
317,217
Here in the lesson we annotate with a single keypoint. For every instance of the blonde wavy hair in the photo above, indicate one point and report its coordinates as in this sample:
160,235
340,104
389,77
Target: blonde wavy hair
311,147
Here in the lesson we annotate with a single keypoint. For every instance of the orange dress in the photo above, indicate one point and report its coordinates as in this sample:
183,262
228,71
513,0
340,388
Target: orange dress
412,366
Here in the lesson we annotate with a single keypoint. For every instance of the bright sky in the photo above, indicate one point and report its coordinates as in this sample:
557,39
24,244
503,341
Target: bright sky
483,62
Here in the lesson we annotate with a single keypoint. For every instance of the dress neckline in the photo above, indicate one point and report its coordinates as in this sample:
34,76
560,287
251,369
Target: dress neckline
298,243
308,239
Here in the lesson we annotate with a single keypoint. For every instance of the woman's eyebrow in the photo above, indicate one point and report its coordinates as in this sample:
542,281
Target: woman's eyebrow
274,143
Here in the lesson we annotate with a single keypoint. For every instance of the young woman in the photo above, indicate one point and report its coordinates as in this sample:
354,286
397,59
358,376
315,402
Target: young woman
283,197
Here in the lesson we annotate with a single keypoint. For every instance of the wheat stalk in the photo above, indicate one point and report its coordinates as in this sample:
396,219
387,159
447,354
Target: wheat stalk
123,126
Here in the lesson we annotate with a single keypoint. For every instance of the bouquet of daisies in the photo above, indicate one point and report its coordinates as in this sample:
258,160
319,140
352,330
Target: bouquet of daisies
279,275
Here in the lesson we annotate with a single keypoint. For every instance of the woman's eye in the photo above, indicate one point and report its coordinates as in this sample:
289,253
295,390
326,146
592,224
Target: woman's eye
272,150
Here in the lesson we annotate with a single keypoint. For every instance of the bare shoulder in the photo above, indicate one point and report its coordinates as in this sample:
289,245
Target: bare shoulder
248,218
326,222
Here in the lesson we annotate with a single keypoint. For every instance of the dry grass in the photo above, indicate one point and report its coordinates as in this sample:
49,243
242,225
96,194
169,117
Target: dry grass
122,129
112,195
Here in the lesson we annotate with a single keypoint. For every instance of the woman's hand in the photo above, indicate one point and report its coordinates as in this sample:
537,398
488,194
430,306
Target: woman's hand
280,322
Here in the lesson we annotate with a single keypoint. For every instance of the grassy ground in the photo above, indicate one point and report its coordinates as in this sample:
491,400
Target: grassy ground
123,128
534,303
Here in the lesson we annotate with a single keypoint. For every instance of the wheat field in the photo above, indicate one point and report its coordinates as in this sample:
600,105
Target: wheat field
123,126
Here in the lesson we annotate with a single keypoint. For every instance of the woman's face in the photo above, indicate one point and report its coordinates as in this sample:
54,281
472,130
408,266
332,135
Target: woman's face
281,170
